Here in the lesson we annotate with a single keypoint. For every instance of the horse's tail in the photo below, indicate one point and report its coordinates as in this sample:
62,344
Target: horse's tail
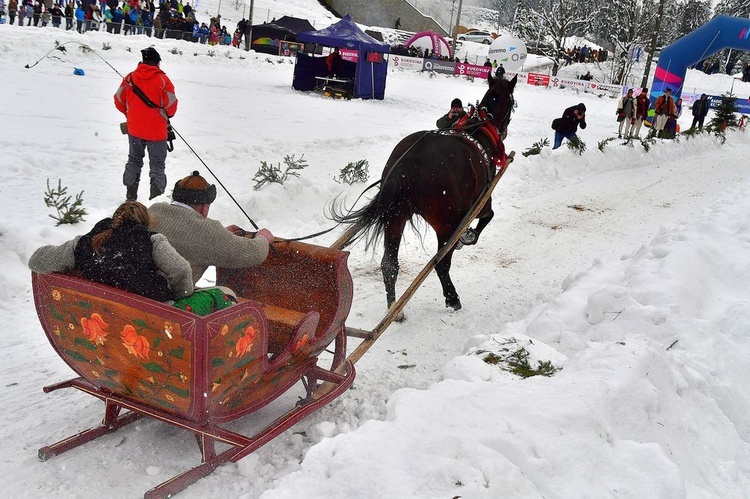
371,221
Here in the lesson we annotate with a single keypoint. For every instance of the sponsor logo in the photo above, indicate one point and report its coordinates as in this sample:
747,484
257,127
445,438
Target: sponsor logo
744,34
439,66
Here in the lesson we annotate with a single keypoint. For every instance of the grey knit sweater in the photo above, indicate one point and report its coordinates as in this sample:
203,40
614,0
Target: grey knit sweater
203,241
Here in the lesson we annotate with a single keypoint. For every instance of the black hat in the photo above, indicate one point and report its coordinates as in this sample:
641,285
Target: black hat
581,107
457,103
150,55
194,190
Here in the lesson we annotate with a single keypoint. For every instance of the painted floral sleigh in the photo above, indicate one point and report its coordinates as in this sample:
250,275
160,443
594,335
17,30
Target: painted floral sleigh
145,358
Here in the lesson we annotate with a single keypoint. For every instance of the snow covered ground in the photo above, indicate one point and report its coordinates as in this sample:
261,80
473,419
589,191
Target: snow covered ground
625,269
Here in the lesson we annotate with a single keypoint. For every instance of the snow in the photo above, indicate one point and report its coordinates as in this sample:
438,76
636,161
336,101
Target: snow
626,270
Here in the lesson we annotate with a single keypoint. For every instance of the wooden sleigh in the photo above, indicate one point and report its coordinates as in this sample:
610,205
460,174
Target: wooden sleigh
146,358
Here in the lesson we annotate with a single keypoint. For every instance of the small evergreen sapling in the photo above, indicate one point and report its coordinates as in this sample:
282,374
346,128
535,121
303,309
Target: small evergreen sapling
725,114
269,173
358,171
536,147
576,144
67,212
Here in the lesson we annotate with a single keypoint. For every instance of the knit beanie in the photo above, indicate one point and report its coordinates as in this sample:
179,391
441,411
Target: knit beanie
194,190
456,103
150,55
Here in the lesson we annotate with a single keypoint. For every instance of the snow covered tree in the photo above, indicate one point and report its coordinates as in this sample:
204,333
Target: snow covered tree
552,22
736,8
693,15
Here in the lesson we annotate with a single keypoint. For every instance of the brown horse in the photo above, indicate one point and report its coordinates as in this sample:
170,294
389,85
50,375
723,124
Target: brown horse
438,175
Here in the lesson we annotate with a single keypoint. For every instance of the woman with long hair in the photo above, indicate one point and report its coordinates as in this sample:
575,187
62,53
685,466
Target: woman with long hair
124,253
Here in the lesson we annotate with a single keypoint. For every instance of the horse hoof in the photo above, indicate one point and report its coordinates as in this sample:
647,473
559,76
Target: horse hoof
456,305
469,237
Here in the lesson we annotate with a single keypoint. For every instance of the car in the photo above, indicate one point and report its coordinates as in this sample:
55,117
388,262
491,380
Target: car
476,35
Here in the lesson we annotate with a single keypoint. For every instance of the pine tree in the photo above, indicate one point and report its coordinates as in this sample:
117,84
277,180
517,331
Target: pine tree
725,117
736,8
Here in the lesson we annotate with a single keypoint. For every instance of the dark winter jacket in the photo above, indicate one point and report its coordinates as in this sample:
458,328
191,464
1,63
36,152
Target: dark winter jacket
569,122
700,108
642,105
125,261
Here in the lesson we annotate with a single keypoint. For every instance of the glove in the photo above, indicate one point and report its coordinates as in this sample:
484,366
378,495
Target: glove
266,234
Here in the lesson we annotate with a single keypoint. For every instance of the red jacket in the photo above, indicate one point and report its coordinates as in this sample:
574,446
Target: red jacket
144,122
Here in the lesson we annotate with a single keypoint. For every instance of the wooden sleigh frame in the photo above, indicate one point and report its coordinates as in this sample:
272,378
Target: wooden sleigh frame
146,358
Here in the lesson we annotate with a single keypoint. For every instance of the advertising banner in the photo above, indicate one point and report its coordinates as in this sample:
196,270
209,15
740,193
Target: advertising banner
465,69
557,82
406,62
522,77
288,48
445,67
613,90
743,105
538,79
349,55
508,51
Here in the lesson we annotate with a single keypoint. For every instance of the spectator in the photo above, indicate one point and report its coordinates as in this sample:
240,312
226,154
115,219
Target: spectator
57,15
626,112
12,9
69,15
146,97
487,62
201,240
587,76
397,24
451,117
641,113
567,126
80,19
500,71
334,63
671,129
663,108
122,252
700,110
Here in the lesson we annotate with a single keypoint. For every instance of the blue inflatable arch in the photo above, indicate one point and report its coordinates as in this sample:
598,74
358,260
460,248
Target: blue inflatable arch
721,32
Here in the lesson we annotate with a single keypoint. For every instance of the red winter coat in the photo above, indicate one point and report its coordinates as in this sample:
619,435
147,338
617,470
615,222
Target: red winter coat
144,122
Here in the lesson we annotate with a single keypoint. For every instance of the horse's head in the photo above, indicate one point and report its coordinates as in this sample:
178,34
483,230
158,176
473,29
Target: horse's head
499,102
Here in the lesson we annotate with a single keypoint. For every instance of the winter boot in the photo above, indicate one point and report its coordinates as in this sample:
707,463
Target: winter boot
132,192
155,191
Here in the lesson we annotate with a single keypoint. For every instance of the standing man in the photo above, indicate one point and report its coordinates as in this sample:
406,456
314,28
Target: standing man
626,110
663,108
700,110
641,104
146,97
567,126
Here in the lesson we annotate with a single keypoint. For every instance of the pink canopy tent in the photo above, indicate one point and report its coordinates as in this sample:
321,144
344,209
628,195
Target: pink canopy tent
437,44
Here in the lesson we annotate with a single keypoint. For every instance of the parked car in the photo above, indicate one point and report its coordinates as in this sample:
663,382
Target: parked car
476,35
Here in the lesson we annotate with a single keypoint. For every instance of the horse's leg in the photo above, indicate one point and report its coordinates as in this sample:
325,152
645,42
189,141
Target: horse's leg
389,264
443,271
471,236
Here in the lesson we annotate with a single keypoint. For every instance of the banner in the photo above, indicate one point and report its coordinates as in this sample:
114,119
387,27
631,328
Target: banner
349,55
743,105
406,62
288,48
466,69
538,79
613,90
445,67
556,81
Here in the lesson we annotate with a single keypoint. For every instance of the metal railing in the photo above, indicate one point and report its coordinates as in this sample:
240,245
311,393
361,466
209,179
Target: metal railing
431,13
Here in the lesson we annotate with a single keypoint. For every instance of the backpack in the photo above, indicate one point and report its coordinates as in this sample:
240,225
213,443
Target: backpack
556,123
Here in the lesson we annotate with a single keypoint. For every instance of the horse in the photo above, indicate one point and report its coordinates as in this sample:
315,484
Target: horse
438,175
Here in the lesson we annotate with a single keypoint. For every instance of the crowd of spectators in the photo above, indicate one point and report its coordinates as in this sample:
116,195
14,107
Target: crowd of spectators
583,54
158,18
414,51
